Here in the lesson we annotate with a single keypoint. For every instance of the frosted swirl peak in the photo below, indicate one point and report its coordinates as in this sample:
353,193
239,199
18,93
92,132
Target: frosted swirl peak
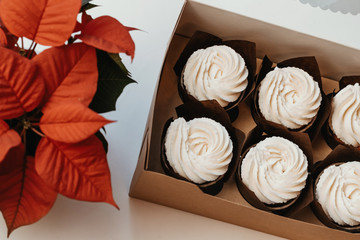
338,192
200,150
275,169
289,96
217,72
345,116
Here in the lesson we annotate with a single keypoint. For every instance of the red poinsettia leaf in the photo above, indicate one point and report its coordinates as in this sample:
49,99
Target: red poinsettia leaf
25,198
12,160
8,139
78,171
11,40
85,18
3,39
131,29
48,22
108,34
70,73
78,27
22,88
71,123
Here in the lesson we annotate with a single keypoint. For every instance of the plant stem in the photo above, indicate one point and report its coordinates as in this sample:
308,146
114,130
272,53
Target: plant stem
22,132
22,42
32,43
29,51
32,51
37,132
24,138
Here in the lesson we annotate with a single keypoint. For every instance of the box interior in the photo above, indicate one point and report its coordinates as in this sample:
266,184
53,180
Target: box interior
279,44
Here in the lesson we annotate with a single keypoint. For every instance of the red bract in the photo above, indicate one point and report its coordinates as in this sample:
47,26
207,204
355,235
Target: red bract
108,34
8,139
25,197
50,141
77,171
21,91
69,72
71,123
85,19
39,19
3,39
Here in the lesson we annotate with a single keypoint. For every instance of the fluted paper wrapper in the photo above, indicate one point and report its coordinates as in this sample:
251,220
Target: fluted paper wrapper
202,40
309,65
209,109
341,154
330,137
292,206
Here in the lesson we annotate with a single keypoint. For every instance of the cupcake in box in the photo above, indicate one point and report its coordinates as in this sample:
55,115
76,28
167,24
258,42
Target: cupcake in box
343,124
212,69
290,95
337,189
201,146
273,173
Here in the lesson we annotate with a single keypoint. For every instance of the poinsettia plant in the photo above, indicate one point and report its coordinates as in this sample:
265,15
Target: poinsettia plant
50,138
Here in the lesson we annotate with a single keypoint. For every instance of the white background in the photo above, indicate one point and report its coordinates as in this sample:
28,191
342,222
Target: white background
70,219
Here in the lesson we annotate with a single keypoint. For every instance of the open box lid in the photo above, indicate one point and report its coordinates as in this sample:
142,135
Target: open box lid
310,27
293,14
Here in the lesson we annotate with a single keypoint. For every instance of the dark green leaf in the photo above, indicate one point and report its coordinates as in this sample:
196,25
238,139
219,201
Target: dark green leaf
88,6
84,2
116,57
112,81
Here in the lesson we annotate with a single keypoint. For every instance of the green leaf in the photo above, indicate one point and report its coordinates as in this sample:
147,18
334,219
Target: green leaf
113,78
87,6
116,57
84,2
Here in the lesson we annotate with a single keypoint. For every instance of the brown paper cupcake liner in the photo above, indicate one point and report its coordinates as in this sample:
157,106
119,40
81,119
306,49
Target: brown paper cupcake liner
341,154
210,109
201,40
294,205
348,80
308,64
329,136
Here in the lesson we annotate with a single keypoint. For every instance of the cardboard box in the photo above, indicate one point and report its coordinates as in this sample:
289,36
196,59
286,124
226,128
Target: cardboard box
149,181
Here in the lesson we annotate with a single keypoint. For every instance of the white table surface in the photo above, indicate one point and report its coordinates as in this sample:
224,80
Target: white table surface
70,219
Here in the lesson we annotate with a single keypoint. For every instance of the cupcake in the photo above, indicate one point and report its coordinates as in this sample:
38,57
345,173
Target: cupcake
201,146
217,72
200,150
345,116
337,190
212,69
275,170
289,96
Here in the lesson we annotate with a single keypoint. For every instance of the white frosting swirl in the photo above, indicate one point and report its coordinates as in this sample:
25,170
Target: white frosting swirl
217,72
338,192
275,170
289,96
345,117
199,150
